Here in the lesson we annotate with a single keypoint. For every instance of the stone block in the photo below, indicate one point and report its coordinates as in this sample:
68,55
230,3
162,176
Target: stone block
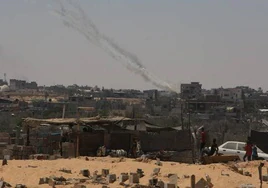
156,171
241,171
202,183
51,182
66,171
111,178
265,178
170,185
134,178
43,181
173,179
20,186
105,172
123,178
247,186
160,184
85,173
153,182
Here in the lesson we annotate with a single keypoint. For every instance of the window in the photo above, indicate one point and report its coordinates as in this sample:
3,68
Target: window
229,145
241,147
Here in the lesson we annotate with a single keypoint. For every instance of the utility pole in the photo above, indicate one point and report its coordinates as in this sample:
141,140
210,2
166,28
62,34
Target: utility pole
63,111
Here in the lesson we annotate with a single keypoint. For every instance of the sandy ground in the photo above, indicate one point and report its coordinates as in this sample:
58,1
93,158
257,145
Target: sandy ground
28,172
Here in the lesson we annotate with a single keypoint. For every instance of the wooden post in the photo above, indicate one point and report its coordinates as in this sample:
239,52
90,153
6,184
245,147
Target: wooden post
260,172
193,181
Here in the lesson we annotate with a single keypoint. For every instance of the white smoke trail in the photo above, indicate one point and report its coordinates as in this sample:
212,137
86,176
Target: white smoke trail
76,19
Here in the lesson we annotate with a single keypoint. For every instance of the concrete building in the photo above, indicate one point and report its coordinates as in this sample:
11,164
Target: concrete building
231,94
22,84
17,84
151,94
191,91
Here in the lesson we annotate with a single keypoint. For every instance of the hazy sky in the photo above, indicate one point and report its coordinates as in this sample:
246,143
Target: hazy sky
219,43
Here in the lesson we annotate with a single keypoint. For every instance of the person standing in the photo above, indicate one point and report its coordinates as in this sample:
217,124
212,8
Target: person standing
214,148
248,149
134,148
203,139
254,152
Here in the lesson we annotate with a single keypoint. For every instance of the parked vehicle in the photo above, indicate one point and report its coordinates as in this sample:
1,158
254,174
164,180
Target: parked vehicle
238,148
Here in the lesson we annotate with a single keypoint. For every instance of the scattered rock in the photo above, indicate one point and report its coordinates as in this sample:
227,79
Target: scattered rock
153,182
140,173
160,184
173,180
123,178
43,181
111,178
134,178
247,174
85,173
224,174
29,166
247,186
66,171
105,172
240,171
20,186
4,184
156,171
158,162
186,176
202,183
87,159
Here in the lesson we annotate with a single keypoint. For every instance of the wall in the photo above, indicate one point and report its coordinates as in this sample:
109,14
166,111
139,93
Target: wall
120,141
166,140
90,142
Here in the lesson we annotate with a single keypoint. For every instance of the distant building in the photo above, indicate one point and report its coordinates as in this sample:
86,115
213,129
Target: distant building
151,94
22,84
2,82
191,91
231,94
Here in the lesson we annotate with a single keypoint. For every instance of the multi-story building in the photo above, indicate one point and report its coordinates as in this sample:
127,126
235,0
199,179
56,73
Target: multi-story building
22,84
151,94
231,94
191,91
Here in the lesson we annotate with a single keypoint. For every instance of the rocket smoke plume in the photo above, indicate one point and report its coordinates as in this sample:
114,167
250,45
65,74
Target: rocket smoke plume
74,17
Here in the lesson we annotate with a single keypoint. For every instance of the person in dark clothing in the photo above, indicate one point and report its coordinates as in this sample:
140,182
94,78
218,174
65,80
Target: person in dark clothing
214,148
134,148
203,139
254,152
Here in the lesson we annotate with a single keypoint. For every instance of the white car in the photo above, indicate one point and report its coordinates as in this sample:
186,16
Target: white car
238,148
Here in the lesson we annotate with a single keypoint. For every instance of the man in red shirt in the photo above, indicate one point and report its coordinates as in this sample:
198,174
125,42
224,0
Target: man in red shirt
248,149
203,139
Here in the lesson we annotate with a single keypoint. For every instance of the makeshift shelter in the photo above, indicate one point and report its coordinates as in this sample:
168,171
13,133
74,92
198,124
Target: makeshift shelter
114,133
